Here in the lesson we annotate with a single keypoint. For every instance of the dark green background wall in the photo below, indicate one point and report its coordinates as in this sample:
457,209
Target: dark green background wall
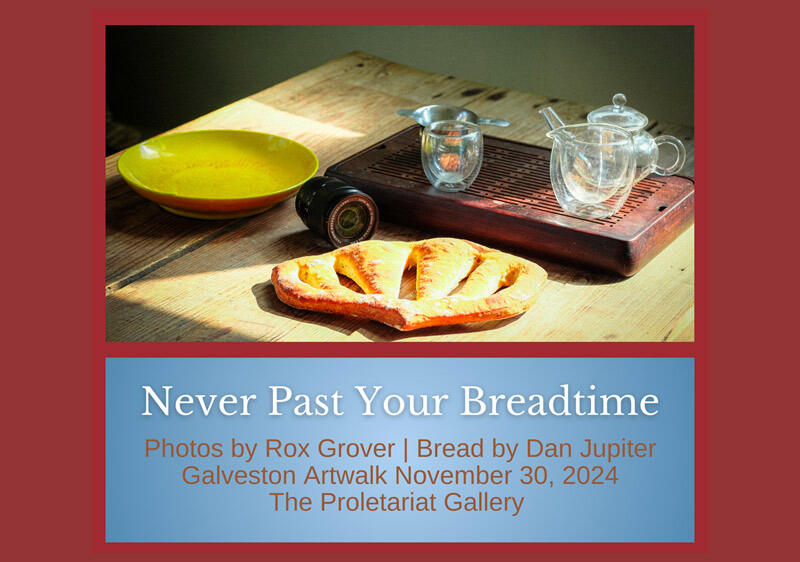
159,77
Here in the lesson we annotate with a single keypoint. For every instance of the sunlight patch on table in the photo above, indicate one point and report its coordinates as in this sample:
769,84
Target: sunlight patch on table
250,115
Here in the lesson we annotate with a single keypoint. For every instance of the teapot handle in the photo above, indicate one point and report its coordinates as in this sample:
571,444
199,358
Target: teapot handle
495,122
679,161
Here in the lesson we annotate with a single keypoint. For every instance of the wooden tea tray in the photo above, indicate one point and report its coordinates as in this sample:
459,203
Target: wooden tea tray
511,204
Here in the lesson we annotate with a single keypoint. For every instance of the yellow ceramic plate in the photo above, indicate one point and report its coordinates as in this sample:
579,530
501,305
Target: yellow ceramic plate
217,174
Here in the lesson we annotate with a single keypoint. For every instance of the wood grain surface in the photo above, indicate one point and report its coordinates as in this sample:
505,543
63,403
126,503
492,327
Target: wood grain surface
175,279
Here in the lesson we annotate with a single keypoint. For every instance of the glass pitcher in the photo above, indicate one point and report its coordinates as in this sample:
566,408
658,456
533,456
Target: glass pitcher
647,147
592,168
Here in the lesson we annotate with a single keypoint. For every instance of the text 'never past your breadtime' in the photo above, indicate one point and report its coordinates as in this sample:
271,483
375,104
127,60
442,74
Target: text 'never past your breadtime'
475,401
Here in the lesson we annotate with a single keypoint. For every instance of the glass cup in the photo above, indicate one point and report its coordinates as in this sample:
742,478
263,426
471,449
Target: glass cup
452,153
592,168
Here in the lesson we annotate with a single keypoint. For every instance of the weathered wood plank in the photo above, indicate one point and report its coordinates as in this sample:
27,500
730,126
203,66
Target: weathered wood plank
140,236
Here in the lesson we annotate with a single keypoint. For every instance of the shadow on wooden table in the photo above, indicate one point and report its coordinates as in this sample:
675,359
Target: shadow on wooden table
268,301
134,317
375,331
131,214
568,275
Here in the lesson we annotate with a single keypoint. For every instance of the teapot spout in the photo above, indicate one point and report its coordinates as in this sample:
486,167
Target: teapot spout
552,118
562,133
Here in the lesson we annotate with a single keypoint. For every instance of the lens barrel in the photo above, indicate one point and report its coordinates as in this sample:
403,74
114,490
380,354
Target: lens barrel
338,212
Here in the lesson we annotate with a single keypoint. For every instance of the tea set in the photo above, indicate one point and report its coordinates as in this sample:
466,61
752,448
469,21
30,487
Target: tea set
223,174
593,166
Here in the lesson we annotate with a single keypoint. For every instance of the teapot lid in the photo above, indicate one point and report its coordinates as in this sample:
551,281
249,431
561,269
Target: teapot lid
618,114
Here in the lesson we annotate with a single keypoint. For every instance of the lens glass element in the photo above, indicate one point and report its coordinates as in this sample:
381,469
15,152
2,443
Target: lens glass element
351,220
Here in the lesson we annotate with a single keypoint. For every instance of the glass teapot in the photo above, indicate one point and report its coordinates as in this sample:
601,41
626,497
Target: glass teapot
647,147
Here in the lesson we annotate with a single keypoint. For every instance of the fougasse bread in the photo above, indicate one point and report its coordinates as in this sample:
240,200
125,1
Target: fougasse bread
495,285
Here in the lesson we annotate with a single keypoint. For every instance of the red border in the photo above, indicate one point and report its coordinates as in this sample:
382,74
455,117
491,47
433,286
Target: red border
102,349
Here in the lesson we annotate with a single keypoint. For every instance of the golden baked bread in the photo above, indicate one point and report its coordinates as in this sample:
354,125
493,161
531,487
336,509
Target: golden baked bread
495,285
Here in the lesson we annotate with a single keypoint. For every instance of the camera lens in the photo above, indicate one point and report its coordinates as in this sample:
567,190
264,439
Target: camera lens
336,211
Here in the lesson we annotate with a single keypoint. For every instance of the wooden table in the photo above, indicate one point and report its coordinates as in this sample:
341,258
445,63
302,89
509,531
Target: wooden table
175,279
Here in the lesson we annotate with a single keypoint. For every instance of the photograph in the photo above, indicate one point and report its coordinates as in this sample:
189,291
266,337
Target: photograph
399,183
